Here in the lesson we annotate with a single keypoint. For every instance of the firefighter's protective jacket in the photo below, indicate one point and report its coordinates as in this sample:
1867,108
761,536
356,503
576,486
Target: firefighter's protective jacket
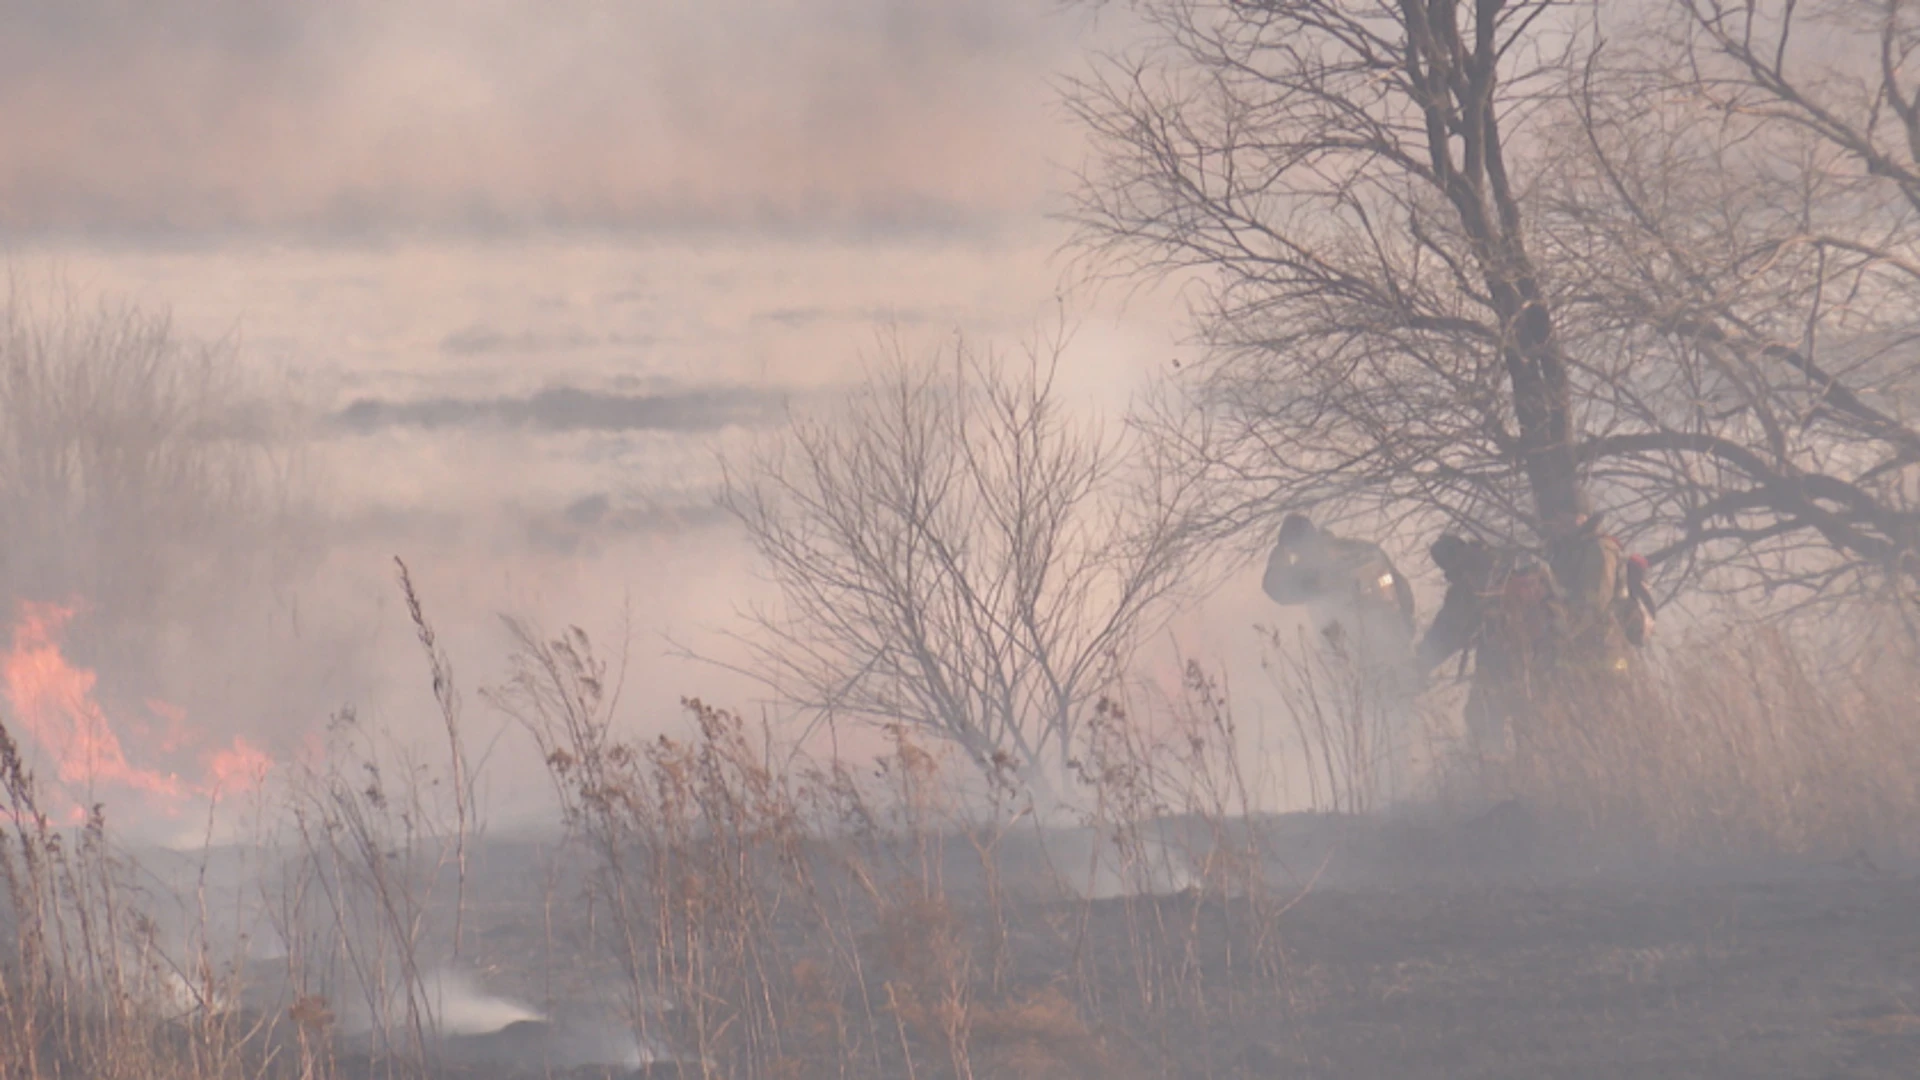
1331,569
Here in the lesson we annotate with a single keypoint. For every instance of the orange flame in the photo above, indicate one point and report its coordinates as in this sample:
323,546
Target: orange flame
53,703
239,767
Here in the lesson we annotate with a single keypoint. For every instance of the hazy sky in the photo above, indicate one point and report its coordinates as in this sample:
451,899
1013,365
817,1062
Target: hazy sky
351,117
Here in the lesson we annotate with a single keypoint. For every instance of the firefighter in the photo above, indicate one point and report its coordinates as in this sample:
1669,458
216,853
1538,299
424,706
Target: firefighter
1604,614
1337,577
1500,613
1535,628
1467,566
1636,615
1363,607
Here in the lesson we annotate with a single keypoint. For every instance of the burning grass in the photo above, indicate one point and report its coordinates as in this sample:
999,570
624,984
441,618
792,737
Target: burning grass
52,700
756,911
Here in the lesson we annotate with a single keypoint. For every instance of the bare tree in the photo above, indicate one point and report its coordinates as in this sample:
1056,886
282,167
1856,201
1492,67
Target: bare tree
1746,276
1465,262
1339,170
954,553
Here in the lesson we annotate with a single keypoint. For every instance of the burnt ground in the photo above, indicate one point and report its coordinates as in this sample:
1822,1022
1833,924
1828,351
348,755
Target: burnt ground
1408,954
1807,978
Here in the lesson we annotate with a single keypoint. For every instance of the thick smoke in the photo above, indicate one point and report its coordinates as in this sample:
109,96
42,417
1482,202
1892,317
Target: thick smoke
356,117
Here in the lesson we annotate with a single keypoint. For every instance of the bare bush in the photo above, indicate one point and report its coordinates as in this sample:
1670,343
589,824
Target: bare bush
956,553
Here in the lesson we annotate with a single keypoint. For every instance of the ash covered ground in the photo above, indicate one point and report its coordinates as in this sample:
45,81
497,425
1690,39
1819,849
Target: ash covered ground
1488,946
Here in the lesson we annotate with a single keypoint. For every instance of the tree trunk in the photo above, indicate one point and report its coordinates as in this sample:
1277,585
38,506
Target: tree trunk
1542,404
1455,77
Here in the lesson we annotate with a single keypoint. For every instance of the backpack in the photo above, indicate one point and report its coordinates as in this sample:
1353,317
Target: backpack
1526,610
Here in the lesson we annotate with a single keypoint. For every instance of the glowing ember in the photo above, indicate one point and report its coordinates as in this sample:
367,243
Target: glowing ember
53,704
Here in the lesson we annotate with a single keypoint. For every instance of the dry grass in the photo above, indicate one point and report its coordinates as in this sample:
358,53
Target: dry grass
85,988
1742,748
804,915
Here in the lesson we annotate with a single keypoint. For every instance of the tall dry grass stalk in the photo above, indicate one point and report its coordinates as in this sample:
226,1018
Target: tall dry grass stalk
1360,735
88,988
